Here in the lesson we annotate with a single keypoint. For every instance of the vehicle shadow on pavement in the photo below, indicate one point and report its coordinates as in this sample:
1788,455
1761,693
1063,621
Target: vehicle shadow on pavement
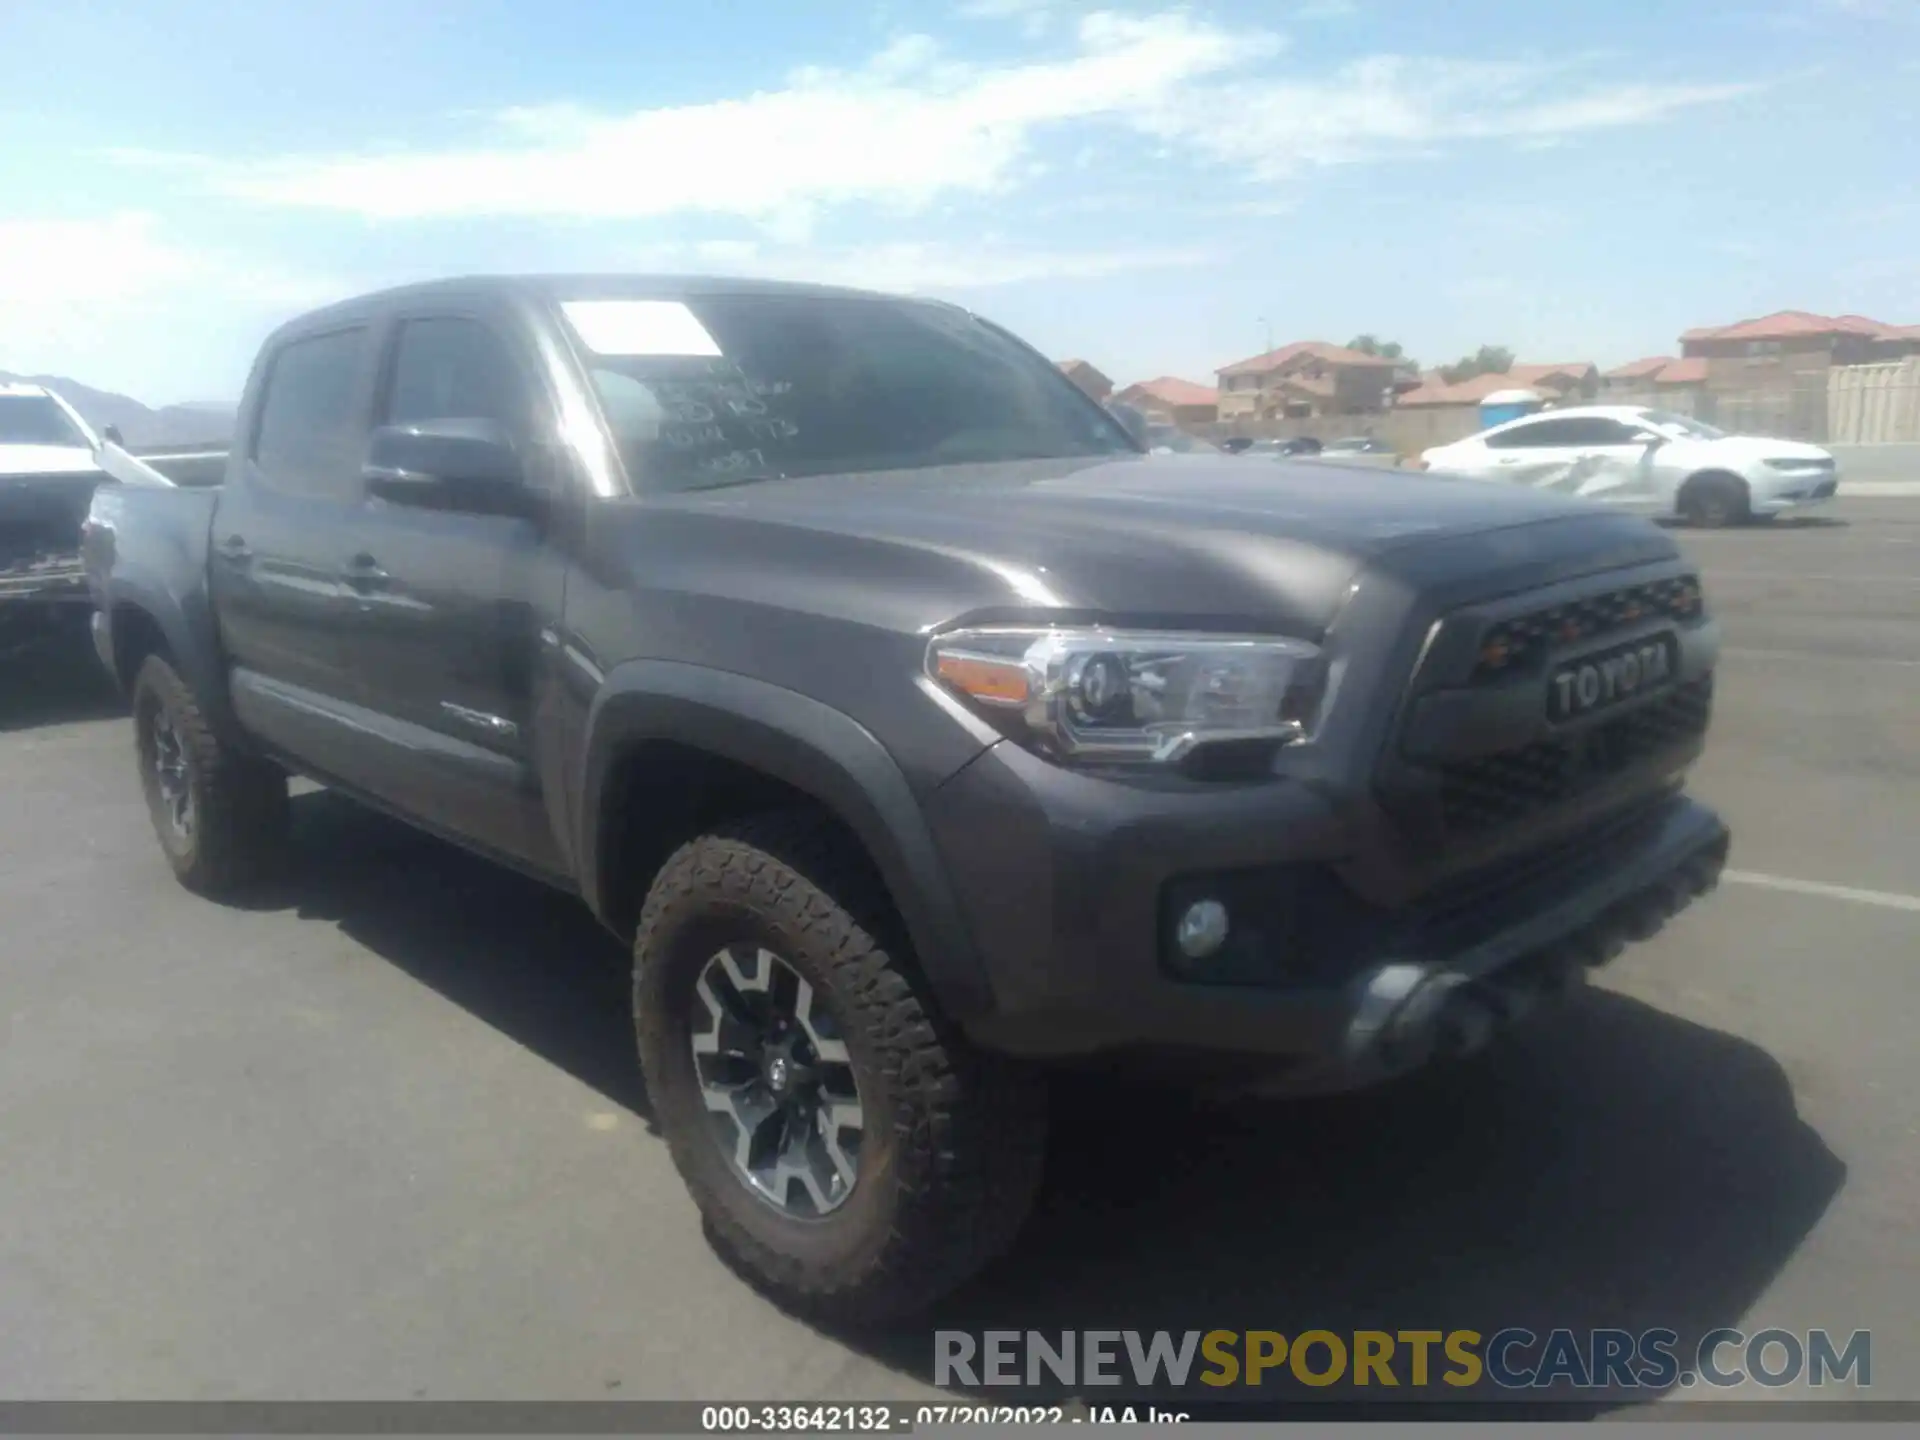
525,959
1615,1166
56,685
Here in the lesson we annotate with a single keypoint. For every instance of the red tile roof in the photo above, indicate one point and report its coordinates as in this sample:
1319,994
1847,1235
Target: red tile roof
1641,369
1539,374
1435,391
1790,325
1467,392
1318,349
1171,390
1682,372
1321,386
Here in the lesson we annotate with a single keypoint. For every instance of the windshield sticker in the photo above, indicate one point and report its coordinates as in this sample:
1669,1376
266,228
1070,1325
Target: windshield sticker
640,327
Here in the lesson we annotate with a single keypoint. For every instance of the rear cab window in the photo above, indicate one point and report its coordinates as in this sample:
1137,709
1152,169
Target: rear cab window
712,389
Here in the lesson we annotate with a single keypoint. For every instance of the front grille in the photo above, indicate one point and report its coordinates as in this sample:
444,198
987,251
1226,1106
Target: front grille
1825,489
1491,791
1520,644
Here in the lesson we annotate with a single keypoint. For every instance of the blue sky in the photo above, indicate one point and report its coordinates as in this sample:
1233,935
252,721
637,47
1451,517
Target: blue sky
1153,186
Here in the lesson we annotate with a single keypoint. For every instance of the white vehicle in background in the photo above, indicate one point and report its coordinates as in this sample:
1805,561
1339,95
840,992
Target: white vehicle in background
1650,460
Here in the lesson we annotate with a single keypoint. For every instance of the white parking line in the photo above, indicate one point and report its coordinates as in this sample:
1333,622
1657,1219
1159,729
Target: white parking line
1817,655
1714,576
1880,489
1886,899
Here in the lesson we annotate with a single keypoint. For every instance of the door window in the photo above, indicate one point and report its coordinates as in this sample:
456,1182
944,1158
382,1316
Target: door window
306,436
454,369
1541,435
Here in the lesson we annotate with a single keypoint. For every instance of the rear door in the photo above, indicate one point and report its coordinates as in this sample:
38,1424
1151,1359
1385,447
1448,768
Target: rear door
1614,466
282,528
451,606
1544,453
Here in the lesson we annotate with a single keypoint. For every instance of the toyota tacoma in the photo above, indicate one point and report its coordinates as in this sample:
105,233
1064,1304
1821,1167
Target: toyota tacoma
917,729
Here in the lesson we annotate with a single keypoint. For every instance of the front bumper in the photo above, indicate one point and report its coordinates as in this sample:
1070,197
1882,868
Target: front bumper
46,580
1072,886
1779,494
40,598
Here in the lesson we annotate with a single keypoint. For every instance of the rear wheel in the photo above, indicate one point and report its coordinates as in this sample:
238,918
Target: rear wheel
853,1156
220,815
1716,501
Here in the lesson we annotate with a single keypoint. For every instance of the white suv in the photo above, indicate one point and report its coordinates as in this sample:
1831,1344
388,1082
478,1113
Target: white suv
1651,460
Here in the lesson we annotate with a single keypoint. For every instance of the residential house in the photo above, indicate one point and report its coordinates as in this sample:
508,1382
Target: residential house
1772,374
1089,379
1577,383
1173,401
1306,380
1665,381
1438,412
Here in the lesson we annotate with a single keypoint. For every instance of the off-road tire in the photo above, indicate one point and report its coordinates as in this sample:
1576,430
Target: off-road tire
1715,501
955,1136
240,812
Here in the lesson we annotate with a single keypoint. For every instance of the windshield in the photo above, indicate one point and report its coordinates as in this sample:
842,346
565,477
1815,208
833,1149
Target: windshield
38,420
1685,425
777,386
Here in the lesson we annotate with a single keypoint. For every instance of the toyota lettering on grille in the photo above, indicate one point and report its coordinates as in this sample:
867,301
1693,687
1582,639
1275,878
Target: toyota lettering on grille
1611,677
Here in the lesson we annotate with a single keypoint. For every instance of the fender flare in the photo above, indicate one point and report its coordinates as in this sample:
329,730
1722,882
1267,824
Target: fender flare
818,750
187,628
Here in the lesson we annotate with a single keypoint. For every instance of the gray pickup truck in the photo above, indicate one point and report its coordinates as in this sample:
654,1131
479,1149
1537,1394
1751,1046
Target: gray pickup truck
918,730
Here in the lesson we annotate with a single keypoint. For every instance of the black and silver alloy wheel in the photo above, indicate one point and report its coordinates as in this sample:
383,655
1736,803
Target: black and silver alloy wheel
851,1153
172,775
777,1081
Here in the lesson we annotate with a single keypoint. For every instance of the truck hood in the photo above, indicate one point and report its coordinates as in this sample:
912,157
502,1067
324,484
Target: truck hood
1170,536
46,460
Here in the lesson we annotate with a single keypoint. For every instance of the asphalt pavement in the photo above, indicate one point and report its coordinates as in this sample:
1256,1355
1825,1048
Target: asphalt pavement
381,1136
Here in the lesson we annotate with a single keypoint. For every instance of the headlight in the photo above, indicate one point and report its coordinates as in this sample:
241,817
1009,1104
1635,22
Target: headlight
1106,695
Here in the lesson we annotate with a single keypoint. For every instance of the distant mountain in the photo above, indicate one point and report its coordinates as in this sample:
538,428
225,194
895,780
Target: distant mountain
201,423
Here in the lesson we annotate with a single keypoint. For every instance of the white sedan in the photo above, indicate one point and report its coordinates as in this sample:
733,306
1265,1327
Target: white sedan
1651,460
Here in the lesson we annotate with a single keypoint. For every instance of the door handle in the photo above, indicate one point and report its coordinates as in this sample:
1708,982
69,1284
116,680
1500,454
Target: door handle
363,573
236,550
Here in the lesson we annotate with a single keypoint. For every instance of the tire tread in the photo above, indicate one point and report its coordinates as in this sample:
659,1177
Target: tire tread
970,1126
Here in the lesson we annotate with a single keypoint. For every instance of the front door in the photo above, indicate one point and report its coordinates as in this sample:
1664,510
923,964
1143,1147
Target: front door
451,606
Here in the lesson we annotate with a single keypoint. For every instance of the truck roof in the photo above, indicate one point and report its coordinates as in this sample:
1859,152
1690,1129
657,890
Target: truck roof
551,288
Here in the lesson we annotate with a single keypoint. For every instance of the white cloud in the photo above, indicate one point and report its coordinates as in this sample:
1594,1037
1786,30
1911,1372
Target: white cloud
1391,105
912,129
902,132
1035,17
118,301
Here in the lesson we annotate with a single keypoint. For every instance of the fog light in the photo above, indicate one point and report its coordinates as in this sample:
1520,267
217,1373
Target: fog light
1202,929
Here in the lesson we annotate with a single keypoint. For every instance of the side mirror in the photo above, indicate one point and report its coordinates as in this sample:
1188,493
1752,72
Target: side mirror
465,465
1649,438
112,435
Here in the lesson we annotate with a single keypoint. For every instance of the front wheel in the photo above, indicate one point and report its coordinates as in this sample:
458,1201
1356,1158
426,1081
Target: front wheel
220,815
1716,501
853,1156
